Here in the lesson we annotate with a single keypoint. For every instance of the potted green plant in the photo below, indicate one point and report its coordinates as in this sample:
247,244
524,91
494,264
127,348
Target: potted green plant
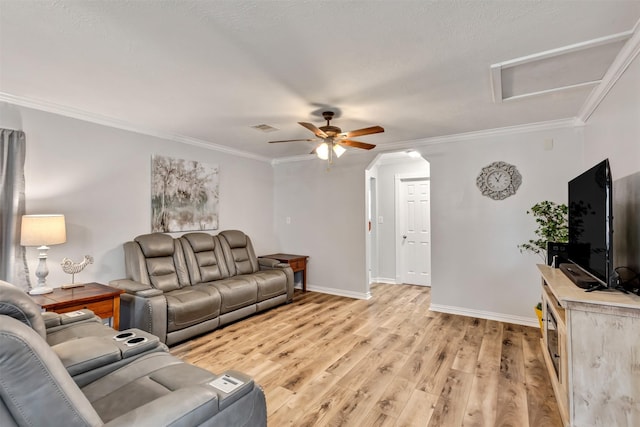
553,226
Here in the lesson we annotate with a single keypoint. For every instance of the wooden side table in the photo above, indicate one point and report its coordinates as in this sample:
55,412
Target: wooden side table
103,300
296,262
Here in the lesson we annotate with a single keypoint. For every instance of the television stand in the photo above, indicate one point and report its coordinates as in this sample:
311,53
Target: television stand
580,278
590,348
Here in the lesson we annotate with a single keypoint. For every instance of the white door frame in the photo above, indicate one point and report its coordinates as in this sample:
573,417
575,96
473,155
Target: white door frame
372,228
398,178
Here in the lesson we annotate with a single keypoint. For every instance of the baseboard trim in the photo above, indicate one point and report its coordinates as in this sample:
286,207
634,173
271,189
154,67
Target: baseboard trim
384,280
489,315
338,292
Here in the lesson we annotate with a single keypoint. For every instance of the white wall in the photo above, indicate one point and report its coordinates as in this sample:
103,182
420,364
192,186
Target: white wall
328,220
613,130
99,177
386,232
477,267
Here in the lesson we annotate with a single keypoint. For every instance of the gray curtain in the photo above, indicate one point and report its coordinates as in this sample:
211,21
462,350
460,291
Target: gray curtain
13,263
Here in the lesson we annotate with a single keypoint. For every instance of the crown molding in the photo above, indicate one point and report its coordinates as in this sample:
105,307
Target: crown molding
50,107
291,159
627,54
119,124
487,133
571,122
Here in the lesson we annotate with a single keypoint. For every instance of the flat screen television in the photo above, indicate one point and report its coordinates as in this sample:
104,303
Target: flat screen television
591,224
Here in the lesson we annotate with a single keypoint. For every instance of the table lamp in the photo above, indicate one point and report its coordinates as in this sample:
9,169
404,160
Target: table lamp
41,231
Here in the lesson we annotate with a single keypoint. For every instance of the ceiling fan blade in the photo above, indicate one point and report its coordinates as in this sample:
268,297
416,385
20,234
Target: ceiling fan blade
292,140
364,131
314,129
356,144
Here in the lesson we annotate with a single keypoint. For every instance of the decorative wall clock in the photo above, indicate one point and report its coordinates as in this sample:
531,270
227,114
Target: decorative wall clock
499,180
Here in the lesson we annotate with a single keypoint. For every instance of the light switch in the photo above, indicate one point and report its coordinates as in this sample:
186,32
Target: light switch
288,220
380,220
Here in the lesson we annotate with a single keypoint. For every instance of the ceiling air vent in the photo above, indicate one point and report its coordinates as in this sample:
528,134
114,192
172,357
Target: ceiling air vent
264,128
569,67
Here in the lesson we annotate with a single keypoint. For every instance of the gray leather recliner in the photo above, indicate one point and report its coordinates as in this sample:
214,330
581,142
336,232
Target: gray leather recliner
155,389
85,346
55,327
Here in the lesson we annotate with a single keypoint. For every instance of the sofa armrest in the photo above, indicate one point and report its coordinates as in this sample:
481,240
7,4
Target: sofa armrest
94,353
52,319
144,310
274,264
189,406
87,353
268,262
135,288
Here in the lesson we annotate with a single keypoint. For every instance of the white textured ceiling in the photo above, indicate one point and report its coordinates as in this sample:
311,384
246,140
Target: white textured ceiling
211,69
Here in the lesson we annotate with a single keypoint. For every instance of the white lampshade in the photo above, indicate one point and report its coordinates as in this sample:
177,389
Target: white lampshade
43,230
323,151
338,149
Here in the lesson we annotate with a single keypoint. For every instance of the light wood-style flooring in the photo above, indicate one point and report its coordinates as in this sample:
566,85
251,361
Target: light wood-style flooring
389,361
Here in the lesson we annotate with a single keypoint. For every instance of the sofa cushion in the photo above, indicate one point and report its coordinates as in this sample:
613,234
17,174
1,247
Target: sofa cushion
271,283
142,381
238,252
191,305
163,260
162,273
236,293
204,257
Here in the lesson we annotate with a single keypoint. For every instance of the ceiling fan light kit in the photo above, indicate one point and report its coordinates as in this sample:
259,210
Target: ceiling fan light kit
322,151
333,139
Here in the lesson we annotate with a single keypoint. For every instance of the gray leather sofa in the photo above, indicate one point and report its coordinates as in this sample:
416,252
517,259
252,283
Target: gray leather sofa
153,389
177,288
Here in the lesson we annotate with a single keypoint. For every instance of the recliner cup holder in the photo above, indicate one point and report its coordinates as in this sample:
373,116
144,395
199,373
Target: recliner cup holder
124,336
135,341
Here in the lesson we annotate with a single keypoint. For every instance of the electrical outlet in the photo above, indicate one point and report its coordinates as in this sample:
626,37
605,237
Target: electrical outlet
380,220
288,220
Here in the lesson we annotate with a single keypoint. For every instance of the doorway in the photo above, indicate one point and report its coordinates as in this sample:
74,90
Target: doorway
394,183
413,228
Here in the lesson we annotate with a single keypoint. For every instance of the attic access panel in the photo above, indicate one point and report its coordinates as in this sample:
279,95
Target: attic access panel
580,65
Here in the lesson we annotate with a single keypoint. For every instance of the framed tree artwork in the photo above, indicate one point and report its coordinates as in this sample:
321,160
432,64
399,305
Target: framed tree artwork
184,195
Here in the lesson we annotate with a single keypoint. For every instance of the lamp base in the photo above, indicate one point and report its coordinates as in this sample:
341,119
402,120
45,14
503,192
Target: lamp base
40,290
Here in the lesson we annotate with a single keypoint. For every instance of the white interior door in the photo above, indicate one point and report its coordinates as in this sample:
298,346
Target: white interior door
415,232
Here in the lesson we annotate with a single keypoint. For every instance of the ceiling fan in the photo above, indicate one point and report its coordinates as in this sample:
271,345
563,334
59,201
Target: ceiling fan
333,139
